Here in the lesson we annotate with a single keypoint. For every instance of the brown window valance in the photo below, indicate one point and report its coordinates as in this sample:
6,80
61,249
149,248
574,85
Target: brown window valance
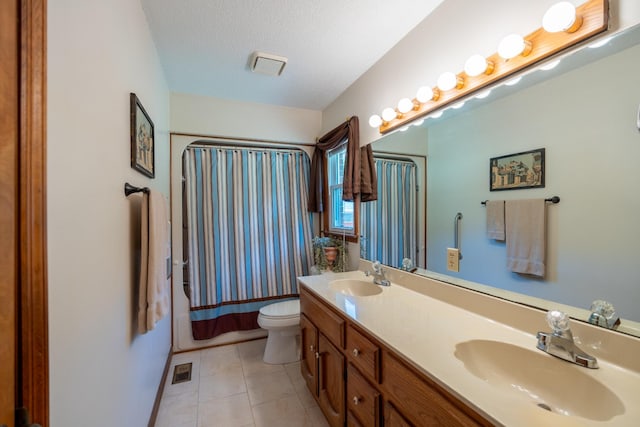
359,178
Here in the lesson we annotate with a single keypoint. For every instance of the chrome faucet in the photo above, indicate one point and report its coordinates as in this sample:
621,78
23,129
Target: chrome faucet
378,274
604,314
560,343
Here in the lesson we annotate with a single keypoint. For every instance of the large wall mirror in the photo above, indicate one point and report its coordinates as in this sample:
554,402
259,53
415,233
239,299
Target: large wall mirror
584,114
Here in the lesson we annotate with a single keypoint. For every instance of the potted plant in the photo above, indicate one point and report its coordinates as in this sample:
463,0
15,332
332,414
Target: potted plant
329,253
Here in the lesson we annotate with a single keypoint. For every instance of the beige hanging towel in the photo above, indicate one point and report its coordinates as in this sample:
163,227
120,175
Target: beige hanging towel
525,222
495,219
153,301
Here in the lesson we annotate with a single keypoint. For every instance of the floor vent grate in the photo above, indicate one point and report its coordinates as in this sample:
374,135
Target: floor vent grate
181,373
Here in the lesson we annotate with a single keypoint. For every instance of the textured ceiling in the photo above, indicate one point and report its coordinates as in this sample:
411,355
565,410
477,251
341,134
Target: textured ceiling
205,45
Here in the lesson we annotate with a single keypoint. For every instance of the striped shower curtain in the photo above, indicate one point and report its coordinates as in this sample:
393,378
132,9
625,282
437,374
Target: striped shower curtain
388,226
248,230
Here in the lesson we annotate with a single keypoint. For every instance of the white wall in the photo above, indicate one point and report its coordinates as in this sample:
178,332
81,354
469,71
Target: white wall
591,145
101,372
202,116
443,41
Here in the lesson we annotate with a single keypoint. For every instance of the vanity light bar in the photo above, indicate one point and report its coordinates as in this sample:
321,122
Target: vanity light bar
593,18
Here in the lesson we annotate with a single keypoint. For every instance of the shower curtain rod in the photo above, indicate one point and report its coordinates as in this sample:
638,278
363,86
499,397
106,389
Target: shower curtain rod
391,157
254,147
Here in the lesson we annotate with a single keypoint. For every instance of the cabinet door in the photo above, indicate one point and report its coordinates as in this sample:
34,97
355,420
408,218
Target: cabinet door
392,417
308,358
331,382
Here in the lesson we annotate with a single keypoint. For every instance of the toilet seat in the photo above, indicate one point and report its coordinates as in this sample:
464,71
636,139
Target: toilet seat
283,310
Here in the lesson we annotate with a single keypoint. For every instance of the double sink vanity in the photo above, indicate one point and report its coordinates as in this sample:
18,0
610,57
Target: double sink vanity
420,352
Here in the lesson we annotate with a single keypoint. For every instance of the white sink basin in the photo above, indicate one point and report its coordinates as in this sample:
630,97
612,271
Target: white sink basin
552,384
354,287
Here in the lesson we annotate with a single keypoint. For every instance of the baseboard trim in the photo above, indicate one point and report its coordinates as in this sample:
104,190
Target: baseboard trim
156,403
239,341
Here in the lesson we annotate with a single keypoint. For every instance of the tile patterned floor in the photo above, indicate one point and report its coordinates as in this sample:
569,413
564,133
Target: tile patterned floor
232,387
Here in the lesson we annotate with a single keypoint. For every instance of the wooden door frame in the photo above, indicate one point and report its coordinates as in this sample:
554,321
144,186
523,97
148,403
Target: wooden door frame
9,117
33,351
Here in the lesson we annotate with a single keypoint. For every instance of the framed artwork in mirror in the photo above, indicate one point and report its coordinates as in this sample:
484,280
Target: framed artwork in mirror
515,171
142,139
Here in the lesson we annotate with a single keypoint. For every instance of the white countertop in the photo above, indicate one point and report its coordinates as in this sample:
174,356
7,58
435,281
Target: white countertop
426,330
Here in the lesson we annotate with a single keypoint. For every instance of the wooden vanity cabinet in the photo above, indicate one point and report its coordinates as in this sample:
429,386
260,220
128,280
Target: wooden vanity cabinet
322,361
358,381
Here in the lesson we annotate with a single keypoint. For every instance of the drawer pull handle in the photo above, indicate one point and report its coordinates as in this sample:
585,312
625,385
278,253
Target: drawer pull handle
317,355
311,348
356,352
356,400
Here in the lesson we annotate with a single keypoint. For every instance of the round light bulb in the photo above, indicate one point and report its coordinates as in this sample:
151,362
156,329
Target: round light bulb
550,65
514,81
388,114
600,43
483,94
405,105
447,81
476,65
424,94
512,46
560,17
375,121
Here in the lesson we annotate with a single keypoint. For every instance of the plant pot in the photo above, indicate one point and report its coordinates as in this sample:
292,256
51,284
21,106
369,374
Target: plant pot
330,253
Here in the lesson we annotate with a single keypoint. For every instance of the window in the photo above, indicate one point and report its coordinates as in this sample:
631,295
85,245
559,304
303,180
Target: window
340,217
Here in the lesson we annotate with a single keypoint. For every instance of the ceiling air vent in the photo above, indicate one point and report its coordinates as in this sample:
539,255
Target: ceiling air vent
266,63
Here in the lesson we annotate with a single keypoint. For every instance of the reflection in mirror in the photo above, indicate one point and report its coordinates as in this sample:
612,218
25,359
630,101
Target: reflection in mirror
583,112
393,227
397,208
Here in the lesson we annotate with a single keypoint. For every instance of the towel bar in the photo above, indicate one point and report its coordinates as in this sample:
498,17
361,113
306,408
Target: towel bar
554,199
130,189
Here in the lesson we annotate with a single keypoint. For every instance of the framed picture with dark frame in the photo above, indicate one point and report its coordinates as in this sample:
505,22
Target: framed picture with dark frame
142,139
515,171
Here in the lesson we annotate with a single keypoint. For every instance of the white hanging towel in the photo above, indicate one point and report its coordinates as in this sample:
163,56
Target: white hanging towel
495,219
525,222
153,301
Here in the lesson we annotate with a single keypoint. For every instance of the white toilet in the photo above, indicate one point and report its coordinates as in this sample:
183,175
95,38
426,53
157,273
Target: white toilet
282,320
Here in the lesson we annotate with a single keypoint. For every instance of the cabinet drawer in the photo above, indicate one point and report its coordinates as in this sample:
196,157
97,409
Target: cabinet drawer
420,400
330,323
363,401
364,354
